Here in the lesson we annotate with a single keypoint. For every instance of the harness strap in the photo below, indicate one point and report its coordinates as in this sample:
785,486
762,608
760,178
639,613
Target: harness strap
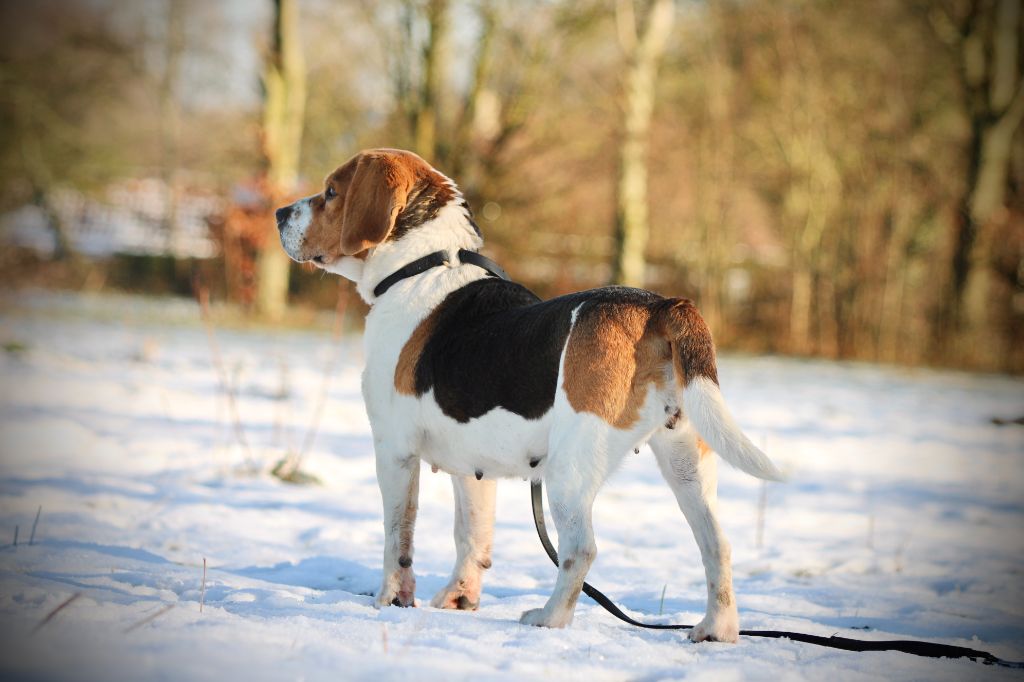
433,260
929,649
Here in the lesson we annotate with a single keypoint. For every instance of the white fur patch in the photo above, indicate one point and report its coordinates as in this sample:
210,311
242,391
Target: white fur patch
348,267
293,232
703,405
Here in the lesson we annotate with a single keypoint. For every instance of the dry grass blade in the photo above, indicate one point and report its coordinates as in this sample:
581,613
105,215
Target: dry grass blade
314,425
762,502
203,298
762,511
32,535
60,607
149,619
202,591
288,470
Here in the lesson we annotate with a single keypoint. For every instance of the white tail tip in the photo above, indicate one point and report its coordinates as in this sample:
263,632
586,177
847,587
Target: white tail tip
706,410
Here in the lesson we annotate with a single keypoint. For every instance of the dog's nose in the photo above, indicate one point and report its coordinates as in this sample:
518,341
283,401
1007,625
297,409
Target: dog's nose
282,215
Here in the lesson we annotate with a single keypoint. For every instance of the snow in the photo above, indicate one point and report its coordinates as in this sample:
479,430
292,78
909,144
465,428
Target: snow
901,520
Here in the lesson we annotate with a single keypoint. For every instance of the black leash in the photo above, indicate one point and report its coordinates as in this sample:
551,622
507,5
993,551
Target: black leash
929,649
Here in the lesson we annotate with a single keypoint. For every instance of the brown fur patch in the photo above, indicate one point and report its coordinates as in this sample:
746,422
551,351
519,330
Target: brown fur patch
693,350
702,447
614,354
405,370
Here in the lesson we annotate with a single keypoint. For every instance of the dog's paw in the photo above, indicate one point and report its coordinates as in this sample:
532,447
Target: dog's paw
723,627
399,589
395,599
462,593
460,599
541,618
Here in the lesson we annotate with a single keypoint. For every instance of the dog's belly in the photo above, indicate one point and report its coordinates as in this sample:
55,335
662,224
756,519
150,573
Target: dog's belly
498,444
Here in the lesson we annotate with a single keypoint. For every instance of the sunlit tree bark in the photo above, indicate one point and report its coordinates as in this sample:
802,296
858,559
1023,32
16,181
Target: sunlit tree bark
434,53
284,105
643,51
987,38
170,117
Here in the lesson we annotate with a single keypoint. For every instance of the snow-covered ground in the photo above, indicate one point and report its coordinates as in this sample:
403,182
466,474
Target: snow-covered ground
904,518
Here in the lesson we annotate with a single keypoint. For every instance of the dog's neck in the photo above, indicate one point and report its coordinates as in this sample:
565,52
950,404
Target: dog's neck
450,230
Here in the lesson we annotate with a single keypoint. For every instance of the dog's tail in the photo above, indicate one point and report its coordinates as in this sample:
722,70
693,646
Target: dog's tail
693,358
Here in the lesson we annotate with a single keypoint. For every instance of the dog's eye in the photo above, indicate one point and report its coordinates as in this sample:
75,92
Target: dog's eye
329,193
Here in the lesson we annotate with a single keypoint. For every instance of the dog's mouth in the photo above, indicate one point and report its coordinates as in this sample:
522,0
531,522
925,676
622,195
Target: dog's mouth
321,260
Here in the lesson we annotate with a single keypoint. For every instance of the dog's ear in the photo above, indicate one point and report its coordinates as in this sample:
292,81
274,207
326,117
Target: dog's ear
377,193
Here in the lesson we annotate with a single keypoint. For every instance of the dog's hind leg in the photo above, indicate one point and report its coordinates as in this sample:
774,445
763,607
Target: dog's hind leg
577,465
399,481
474,534
690,468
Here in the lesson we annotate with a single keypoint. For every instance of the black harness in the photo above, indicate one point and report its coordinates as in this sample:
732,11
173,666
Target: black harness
929,649
434,260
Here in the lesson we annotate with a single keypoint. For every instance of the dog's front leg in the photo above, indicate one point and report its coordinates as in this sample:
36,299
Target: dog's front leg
399,481
474,533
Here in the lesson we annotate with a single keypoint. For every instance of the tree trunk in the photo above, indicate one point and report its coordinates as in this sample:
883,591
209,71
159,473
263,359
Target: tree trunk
285,85
63,251
170,120
715,183
41,181
800,311
892,327
433,60
989,48
463,134
643,54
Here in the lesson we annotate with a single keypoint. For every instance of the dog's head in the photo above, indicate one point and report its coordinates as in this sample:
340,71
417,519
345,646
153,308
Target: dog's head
374,197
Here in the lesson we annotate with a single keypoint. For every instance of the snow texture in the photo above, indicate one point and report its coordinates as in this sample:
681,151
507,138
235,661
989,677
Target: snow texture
902,518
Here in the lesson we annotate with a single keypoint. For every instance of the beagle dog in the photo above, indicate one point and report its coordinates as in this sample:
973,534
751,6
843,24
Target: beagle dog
477,377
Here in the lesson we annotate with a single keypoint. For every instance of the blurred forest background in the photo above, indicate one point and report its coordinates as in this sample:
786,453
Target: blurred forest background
841,179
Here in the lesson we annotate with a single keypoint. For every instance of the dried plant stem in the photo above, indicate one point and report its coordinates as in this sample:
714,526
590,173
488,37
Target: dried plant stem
202,591
149,619
762,509
762,502
60,607
294,460
203,298
32,535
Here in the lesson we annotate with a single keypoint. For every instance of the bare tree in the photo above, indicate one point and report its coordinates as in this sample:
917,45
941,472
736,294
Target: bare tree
284,106
643,51
427,110
465,125
170,116
59,91
987,38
